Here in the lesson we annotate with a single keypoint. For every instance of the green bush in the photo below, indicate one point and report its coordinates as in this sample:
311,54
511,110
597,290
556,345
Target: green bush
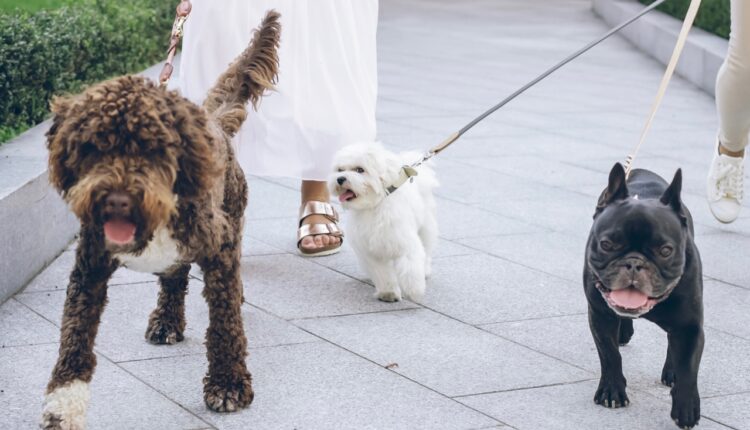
59,51
713,16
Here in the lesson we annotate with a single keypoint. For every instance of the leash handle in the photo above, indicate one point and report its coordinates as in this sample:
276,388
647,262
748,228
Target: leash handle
681,40
181,15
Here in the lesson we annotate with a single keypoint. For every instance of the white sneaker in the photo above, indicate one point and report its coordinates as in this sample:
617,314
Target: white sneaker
725,186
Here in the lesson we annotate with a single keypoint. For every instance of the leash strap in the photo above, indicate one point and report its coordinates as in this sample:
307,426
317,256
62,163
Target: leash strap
406,174
181,15
681,40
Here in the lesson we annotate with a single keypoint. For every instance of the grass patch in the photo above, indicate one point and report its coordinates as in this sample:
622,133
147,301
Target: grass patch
713,16
30,5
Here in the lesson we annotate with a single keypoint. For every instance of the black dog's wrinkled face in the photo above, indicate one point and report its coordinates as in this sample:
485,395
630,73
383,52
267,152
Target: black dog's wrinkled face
637,247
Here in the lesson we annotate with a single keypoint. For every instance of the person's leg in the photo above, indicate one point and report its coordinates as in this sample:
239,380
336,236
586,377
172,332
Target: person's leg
733,84
725,178
316,191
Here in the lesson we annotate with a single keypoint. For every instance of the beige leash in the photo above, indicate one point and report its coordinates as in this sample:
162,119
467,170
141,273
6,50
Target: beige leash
181,15
686,26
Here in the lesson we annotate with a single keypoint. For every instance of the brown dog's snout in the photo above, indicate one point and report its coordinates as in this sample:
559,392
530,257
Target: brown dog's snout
341,180
118,203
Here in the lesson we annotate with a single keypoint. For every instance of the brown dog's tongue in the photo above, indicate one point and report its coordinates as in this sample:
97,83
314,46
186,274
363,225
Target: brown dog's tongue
629,298
119,232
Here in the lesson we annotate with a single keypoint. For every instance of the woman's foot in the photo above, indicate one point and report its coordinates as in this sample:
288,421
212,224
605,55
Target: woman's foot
318,234
726,184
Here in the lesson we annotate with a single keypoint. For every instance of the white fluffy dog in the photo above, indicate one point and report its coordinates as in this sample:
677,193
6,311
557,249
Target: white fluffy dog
393,235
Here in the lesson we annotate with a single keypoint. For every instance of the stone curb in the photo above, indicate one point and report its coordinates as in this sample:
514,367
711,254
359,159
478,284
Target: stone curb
35,224
656,34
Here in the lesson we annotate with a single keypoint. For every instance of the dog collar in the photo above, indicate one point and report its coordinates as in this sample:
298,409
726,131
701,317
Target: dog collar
407,173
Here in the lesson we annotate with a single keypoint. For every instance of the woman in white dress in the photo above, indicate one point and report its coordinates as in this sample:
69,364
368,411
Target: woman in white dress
324,99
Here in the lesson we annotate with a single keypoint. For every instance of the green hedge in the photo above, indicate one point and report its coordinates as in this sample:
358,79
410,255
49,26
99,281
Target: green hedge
60,51
713,15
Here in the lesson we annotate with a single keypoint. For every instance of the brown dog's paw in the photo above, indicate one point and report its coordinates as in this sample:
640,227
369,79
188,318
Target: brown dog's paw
228,397
160,332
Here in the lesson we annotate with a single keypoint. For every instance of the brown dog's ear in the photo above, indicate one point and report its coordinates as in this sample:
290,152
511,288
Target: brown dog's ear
196,162
60,175
671,196
617,188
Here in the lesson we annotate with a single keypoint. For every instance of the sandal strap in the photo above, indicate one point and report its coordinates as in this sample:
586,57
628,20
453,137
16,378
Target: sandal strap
330,229
313,207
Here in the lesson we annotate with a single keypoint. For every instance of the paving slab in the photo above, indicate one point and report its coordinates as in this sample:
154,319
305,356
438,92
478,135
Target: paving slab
571,406
119,401
558,254
20,326
489,289
314,386
124,321
568,338
291,287
443,354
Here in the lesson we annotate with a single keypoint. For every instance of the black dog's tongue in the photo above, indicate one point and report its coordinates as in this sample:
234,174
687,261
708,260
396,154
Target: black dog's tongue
629,298
119,231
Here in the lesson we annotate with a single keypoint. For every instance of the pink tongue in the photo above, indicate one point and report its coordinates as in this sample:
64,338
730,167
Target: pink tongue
629,298
119,232
346,196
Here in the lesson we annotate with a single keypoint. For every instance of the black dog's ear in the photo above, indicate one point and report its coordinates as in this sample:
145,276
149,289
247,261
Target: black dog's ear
617,189
671,196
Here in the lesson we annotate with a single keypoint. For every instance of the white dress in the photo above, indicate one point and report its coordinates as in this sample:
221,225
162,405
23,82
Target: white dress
327,85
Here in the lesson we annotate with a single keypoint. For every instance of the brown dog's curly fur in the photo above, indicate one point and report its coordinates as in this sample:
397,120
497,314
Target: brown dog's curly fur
173,161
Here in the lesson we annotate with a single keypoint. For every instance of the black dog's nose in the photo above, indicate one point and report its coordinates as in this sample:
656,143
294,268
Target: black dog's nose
118,203
634,264
341,180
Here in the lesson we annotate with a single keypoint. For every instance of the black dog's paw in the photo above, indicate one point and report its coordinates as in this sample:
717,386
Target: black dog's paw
163,332
611,394
686,409
626,331
667,376
229,395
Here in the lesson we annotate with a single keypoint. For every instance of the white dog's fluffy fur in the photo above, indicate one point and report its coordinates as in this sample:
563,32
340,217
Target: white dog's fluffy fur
393,236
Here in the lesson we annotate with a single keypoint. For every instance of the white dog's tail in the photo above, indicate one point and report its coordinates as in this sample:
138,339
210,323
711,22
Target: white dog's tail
247,78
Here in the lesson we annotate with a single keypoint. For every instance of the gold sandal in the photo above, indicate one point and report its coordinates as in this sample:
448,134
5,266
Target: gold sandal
328,229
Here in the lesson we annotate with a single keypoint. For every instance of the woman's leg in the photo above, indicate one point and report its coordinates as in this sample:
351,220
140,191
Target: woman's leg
733,83
316,191
725,187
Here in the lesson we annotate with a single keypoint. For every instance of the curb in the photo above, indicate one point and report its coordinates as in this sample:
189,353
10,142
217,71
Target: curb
35,223
656,34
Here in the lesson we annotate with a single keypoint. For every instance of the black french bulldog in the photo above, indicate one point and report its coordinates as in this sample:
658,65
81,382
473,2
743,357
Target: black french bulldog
641,261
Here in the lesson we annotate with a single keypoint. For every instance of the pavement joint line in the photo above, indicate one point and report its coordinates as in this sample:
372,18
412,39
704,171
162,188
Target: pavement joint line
357,314
104,356
556,384
379,365
399,374
725,282
529,319
521,264
527,179
198,417
715,396
20,345
509,340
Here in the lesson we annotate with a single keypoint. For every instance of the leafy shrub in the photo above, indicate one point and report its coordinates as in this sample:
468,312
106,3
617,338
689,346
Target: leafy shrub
713,16
59,51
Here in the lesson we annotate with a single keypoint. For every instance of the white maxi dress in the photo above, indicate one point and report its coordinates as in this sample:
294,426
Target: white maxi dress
327,87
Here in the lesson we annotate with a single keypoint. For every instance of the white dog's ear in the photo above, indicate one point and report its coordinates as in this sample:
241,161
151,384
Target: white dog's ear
388,167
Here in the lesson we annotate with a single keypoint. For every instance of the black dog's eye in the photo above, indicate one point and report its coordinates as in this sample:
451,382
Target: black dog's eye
359,170
606,245
666,251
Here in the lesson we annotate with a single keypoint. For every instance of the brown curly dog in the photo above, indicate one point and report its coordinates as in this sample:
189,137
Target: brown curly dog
155,183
